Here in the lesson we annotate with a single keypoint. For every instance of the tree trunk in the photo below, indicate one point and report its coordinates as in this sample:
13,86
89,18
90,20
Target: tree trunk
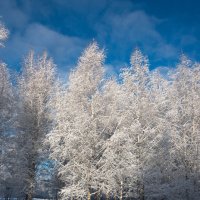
99,195
31,181
107,195
121,190
142,192
186,190
29,196
115,196
89,195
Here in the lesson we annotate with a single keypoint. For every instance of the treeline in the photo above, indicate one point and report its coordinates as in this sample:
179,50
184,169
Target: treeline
135,136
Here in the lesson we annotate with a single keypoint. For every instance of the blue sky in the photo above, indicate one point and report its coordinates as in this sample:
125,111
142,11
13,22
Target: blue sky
162,29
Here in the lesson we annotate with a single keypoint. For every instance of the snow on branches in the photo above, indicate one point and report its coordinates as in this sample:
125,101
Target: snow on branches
3,34
136,136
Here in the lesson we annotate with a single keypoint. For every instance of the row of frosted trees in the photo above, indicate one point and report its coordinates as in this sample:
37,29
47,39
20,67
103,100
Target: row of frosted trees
135,136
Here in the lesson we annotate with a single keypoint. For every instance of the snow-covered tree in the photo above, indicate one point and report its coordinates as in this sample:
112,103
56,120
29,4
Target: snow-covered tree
7,113
117,163
158,165
184,122
3,34
6,99
141,119
136,136
75,141
36,86
135,83
6,93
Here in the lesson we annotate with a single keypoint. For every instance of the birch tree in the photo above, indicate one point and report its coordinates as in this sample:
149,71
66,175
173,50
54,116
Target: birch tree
6,125
7,112
158,165
117,164
141,117
185,130
136,80
35,85
6,94
75,141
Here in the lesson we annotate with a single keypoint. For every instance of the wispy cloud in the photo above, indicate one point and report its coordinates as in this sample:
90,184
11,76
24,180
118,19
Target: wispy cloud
132,29
64,28
14,17
64,49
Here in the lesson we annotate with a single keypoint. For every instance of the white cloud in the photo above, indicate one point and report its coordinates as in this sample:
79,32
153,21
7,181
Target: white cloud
135,28
12,15
64,49
119,26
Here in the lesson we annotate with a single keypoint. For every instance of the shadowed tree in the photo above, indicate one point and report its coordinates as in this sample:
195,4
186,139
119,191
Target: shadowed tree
7,113
35,85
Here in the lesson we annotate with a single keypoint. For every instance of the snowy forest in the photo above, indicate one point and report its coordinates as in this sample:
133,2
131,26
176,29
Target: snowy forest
135,135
